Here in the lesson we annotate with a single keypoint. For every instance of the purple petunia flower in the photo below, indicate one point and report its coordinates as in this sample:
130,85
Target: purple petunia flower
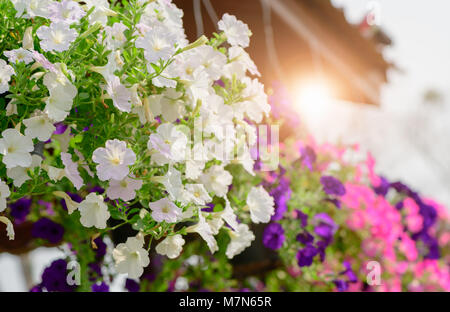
20,209
37,288
341,285
210,208
273,236
332,186
60,128
352,278
47,229
383,188
308,157
305,256
102,287
54,277
100,252
305,238
132,285
302,216
281,198
325,227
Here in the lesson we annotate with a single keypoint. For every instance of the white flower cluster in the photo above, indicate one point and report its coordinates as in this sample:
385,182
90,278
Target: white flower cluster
182,84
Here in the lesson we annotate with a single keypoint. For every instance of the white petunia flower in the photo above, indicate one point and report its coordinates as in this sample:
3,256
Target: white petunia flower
237,32
39,127
240,62
168,143
158,44
171,106
38,8
62,93
131,258
212,60
9,227
71,170
113,160
240,239
16,149
115,37
124,189
261,205
19,55
6,71
115,62
255,100
56,37
172,183
94,211
205,231
216,180
120,95
197,194
215,222
70,203
228,215
11,108
20,174
100,13
66,11
4,194
165,210
171,246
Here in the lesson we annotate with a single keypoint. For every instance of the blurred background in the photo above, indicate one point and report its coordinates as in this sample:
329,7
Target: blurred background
372,72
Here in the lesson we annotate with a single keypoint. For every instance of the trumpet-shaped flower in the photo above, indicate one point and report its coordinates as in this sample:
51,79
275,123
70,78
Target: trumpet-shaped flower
124,189
71,170
120,95
197,194
131,258
16,149
94,211
62,92
240,239
113,160
261,205
216,180
56,37
66,11
38,8
169,144
9,227
205,231
6,71
20,174
4,194
171,246
237,32
39,127
19,55
158,44
165,210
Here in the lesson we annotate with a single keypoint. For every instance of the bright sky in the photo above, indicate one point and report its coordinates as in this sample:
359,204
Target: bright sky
421,48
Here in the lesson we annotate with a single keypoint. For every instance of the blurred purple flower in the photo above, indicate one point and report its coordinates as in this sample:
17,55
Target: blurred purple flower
332,186
47,229
273,236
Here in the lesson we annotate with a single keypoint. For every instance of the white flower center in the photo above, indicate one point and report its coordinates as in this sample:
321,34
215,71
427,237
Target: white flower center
58,37
165,209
